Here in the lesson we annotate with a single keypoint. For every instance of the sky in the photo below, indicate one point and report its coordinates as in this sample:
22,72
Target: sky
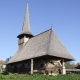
63,15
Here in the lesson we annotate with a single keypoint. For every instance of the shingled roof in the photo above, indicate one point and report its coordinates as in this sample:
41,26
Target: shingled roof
26,24
46,43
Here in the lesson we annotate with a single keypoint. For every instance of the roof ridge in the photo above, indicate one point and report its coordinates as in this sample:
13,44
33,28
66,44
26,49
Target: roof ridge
49,41
42,32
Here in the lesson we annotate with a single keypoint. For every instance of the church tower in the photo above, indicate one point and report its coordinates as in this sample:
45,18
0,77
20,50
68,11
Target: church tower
25,34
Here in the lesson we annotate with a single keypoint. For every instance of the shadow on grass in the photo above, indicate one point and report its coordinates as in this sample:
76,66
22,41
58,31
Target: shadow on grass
5,73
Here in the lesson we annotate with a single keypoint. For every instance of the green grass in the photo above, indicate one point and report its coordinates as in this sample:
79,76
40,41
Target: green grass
39,77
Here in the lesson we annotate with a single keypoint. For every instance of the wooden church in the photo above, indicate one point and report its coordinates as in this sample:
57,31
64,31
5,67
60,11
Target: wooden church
43,53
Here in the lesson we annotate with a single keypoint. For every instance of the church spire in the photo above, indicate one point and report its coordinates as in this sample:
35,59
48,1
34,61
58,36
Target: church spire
26,24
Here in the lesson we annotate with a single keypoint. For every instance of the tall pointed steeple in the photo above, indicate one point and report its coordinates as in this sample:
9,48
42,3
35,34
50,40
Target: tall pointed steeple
26,24
25,34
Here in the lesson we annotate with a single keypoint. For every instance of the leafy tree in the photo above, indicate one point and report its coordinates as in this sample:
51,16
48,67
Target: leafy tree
69,65
8,67
8,59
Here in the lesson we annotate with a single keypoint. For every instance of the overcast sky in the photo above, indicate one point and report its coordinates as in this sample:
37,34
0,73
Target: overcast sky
64,15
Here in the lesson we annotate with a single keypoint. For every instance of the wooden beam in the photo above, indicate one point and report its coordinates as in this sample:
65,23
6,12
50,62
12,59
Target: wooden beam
31,66
63,67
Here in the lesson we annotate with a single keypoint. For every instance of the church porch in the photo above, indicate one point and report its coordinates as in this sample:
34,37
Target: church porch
46,65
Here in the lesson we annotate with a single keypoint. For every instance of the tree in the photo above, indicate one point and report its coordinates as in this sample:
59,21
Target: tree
69,65
8,59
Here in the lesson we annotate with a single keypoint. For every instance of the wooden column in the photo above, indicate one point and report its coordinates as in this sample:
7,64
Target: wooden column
31,66
63,67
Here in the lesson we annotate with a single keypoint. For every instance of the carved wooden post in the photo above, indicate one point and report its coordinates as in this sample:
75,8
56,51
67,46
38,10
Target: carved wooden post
63,67
31,66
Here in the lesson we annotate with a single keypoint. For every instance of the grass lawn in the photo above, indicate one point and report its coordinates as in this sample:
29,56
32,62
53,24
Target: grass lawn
39,77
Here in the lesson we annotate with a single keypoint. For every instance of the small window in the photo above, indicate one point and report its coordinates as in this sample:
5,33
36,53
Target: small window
42,65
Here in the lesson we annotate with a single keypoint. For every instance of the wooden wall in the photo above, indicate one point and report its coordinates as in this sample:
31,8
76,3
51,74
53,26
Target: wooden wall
43,65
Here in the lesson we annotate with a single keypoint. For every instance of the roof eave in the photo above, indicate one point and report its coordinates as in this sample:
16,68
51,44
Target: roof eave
21,35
